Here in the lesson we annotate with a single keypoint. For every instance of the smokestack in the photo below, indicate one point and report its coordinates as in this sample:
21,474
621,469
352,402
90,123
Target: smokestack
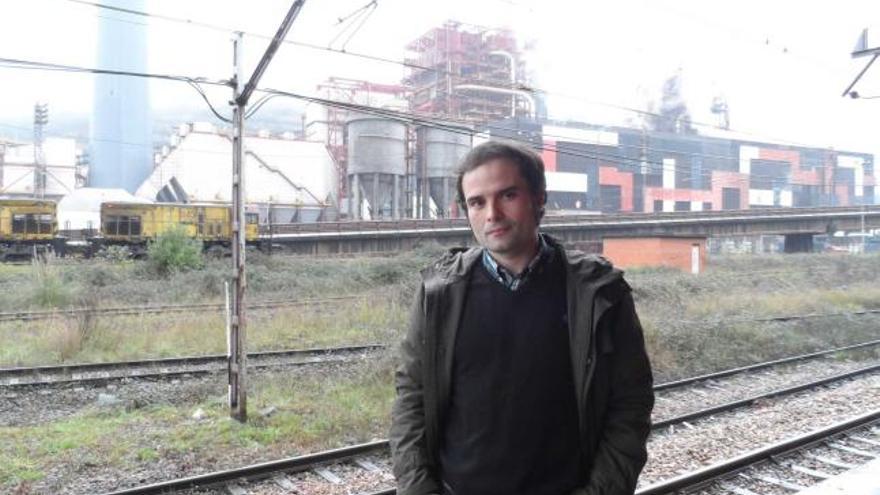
121,126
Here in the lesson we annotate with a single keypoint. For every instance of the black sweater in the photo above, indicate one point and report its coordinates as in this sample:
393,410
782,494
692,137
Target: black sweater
511,427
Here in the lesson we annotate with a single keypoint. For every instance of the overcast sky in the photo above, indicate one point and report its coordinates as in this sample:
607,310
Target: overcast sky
782,65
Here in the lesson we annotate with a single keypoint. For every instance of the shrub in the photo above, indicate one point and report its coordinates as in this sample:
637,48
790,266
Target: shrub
174,251
76,332
114,254
99,275
47,287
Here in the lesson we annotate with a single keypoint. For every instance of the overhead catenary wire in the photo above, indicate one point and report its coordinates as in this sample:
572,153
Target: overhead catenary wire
407,117
358,18
377,58
27,64
201,93
441,125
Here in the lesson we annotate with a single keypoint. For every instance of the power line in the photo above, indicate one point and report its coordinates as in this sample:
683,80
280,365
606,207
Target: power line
437,124
358,18
395,115
192,81
376,58
27,64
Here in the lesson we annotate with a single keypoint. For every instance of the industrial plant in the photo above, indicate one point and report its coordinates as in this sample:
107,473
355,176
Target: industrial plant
388,151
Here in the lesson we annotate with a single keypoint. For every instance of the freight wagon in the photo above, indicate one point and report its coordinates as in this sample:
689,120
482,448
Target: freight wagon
27,227
136,224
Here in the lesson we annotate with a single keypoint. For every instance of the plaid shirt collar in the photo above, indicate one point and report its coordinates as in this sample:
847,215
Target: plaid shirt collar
510,280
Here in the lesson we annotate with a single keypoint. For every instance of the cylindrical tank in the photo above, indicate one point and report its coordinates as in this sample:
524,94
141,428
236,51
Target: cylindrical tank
376,146
443,151
121,131
376,167
440,152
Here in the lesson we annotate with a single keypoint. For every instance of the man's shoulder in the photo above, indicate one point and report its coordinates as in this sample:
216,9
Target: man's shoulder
579,263
594,270
452,264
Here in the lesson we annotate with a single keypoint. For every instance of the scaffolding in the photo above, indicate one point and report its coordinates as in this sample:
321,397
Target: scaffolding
449,57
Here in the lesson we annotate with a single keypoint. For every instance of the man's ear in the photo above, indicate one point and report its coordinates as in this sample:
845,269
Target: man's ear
540,204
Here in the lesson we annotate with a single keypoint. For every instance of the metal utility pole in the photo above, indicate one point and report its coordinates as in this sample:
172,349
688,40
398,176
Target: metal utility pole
241,94
237,352
41,118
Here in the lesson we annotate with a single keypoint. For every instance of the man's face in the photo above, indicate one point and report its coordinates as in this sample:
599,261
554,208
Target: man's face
501,209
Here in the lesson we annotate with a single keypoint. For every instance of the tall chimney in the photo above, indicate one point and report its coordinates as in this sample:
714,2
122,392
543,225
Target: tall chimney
121,126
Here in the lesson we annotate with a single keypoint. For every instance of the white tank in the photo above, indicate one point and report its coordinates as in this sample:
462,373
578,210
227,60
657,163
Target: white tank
442,151
376,146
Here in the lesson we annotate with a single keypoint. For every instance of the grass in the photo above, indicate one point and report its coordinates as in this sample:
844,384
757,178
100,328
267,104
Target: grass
674,307
692,325
62,340
311,414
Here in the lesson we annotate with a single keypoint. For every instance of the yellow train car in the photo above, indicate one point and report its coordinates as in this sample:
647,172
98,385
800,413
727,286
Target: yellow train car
26,226
138,223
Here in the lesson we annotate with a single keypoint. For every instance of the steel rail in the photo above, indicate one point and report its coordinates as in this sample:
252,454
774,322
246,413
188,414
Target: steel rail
152,368
730,466
782,318
719,470
729,406
165,308
256,471
264,470
758,366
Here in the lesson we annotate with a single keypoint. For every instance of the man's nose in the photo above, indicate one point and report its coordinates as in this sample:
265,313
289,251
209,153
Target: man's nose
494,211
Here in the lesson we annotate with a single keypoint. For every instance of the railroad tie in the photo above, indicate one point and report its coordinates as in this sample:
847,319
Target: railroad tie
284,482
864,440
831,462
234,489
780,483
328,475
367,465
811,472
737,490
854,451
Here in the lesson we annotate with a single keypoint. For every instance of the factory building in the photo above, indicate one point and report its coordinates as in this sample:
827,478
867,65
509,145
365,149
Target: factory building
615,169
286,179
18,166
388,169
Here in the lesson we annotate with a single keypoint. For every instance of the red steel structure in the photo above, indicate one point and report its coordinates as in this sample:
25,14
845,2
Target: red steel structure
452,55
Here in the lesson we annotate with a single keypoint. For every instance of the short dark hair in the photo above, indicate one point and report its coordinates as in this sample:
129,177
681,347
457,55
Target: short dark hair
529,164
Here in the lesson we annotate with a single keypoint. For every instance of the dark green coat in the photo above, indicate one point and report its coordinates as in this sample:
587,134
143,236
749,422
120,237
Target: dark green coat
612,375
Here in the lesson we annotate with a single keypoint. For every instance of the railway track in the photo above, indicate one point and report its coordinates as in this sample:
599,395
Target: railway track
368,464
167,367
662,423
788,466
152,368
763,365
166,308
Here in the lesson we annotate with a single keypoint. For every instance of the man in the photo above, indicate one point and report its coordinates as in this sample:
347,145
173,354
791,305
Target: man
524,368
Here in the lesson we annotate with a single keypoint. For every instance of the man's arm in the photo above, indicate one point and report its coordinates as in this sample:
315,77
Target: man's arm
409,456
622,453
